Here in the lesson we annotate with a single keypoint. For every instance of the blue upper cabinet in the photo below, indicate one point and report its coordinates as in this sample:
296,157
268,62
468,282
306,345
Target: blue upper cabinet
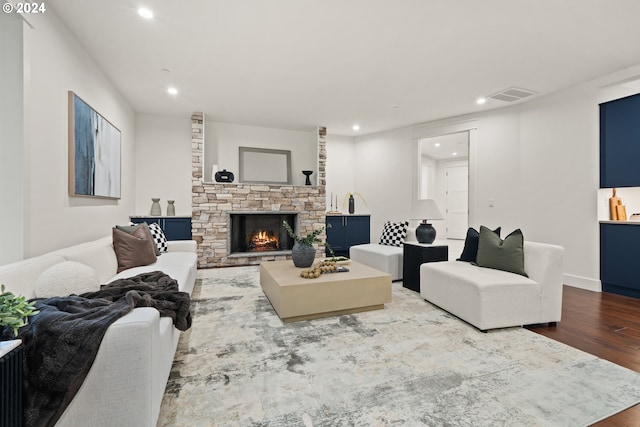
620,142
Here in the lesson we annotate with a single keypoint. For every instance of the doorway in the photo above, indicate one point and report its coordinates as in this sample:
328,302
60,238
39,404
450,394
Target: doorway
444,177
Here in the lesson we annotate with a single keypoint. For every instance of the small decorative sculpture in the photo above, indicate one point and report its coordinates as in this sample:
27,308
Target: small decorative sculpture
307,174
224,176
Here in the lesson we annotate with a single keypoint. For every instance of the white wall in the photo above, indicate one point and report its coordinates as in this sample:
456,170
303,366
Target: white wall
163,153
340,168
538,161
222,141
56,63
385,176
11,137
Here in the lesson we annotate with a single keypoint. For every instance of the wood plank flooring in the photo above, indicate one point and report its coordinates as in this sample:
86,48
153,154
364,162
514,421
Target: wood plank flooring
605,325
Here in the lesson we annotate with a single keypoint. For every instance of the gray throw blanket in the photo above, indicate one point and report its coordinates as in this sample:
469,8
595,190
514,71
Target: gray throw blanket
61,342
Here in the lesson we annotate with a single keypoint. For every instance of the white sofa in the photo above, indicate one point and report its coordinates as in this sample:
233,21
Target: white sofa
489,298
126,383
382,257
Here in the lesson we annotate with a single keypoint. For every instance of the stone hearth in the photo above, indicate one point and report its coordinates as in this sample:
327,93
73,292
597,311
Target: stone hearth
213,204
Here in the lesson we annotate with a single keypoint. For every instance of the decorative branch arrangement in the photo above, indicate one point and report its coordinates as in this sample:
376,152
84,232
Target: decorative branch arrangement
309,239
346,198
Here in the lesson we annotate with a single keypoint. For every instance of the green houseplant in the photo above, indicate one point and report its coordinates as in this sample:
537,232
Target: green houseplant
303,252
15,310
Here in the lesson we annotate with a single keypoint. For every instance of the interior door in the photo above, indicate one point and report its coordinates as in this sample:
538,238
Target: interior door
457,201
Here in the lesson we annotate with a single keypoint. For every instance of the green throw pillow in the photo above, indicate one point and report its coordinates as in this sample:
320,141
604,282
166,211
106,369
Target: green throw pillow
129,229
506,255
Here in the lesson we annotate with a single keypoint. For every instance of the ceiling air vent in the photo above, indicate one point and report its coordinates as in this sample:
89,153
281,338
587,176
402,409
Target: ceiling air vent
512,94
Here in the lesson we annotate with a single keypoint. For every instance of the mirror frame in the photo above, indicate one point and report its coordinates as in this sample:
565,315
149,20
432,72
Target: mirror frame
248,175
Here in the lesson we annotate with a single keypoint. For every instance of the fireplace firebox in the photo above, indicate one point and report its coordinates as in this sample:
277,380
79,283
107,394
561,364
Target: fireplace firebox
261,232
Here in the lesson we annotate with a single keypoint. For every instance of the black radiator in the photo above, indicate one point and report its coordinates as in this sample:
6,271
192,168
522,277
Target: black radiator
11,388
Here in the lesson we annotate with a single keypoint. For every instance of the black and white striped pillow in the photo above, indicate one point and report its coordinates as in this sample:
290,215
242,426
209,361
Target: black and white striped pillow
393,233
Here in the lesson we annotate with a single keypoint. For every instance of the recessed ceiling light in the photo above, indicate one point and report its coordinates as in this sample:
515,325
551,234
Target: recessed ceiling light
145,13
481,101
172,90
356,127
437,144
454,154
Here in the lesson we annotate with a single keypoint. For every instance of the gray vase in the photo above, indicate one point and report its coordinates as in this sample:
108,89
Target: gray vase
303,255
171,208
155,207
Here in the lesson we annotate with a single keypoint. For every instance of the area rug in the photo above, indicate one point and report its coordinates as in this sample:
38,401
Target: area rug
409,364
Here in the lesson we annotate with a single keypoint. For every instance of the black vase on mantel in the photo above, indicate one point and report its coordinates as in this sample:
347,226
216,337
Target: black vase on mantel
352,204
307,174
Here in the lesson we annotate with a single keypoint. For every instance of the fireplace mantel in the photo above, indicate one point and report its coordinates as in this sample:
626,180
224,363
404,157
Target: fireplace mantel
212,204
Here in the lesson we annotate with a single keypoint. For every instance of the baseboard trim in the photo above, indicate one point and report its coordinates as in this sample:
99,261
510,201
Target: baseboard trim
583,283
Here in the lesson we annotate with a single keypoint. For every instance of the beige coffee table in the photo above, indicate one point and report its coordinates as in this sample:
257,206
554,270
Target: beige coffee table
360,289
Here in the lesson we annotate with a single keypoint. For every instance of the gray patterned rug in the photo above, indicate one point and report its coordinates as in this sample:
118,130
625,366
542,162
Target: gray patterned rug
409,364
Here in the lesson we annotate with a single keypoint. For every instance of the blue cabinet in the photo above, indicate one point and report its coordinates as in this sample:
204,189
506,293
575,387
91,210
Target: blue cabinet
619,154
344,231
174,227
620,142
619,267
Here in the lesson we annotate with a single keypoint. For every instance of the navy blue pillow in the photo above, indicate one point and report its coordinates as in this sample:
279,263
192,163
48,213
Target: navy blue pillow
470,251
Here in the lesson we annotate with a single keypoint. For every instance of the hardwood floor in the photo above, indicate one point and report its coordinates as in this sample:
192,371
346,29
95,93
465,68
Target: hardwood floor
605,325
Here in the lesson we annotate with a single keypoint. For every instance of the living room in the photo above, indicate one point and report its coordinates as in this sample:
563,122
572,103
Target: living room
552,133
536,161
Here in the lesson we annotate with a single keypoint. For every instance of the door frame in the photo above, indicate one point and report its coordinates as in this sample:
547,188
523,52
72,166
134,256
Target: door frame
430,131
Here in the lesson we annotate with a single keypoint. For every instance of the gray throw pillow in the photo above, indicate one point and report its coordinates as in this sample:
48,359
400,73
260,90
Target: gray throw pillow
506,255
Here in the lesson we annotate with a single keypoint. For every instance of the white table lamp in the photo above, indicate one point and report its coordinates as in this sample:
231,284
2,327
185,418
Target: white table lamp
425,210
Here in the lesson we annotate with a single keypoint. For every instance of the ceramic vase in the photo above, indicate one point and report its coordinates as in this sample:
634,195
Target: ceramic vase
155,207
303,255
171,209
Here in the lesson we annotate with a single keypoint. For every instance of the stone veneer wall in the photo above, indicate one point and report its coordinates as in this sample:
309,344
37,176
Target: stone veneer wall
213,202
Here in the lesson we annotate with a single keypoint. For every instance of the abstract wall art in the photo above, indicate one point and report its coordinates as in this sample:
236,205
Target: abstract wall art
94,152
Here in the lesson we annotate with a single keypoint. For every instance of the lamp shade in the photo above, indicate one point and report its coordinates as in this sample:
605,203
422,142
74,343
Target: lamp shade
426,209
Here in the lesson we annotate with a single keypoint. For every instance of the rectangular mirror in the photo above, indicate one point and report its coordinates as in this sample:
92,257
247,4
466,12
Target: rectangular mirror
265,166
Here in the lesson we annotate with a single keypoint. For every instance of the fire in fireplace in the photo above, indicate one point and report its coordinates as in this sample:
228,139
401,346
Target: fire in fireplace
260,232
263,240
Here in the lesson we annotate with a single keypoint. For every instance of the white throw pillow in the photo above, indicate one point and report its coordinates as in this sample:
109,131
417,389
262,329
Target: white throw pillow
66,278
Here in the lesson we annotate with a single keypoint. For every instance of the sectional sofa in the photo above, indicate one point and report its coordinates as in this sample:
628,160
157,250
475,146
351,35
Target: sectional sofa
126,383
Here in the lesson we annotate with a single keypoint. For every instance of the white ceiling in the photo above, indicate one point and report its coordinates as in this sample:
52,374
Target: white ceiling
443,147
298,64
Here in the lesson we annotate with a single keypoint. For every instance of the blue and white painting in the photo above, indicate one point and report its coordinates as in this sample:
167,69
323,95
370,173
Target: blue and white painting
96,152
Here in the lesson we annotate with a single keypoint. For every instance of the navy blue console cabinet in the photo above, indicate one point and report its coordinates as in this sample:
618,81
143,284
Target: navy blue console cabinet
344,231
174,227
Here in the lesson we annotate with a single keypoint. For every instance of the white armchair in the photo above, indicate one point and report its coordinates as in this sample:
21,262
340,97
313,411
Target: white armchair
489,298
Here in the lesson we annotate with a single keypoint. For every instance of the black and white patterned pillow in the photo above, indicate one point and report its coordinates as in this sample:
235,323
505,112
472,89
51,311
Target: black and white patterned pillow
393,233
158,237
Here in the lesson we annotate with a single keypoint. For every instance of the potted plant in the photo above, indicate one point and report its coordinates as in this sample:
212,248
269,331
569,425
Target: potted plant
303,252
15,310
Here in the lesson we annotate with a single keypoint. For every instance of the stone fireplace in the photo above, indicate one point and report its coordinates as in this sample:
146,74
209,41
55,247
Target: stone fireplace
257,232
214,205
